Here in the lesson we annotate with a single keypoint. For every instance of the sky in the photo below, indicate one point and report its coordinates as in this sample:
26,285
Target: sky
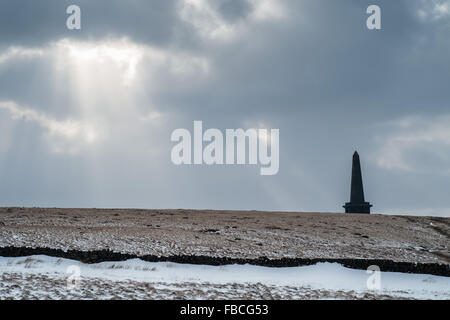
86,115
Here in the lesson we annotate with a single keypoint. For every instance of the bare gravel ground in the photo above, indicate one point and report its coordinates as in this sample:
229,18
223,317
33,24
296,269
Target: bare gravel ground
233,234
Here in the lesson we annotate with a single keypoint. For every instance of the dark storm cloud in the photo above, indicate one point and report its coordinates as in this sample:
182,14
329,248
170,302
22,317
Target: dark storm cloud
342,60
326,59
233,10
31,23
319,59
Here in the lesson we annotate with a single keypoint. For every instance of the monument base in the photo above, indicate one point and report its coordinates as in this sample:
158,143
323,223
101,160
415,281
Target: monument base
357,207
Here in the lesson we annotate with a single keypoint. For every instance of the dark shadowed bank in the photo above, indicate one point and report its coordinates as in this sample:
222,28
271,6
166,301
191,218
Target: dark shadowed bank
98,256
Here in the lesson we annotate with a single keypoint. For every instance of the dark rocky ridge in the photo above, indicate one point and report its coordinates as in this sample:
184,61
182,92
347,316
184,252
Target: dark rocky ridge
106,255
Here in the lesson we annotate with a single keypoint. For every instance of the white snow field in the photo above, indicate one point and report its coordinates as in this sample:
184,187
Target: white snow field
44,277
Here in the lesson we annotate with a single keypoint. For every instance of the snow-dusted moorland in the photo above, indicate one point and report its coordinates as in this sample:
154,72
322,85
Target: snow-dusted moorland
233,234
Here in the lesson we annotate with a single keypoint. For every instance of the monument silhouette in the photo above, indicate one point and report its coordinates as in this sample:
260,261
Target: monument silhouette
357,203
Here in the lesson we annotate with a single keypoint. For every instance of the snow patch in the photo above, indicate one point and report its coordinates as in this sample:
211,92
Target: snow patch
327,277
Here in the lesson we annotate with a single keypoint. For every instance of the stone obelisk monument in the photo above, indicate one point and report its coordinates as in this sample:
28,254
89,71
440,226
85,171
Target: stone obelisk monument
357,203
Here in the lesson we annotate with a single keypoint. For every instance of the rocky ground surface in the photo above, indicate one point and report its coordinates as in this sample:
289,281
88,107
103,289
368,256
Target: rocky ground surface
232,234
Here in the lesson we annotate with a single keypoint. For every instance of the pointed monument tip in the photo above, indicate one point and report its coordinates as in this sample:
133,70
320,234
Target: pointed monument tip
356,154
